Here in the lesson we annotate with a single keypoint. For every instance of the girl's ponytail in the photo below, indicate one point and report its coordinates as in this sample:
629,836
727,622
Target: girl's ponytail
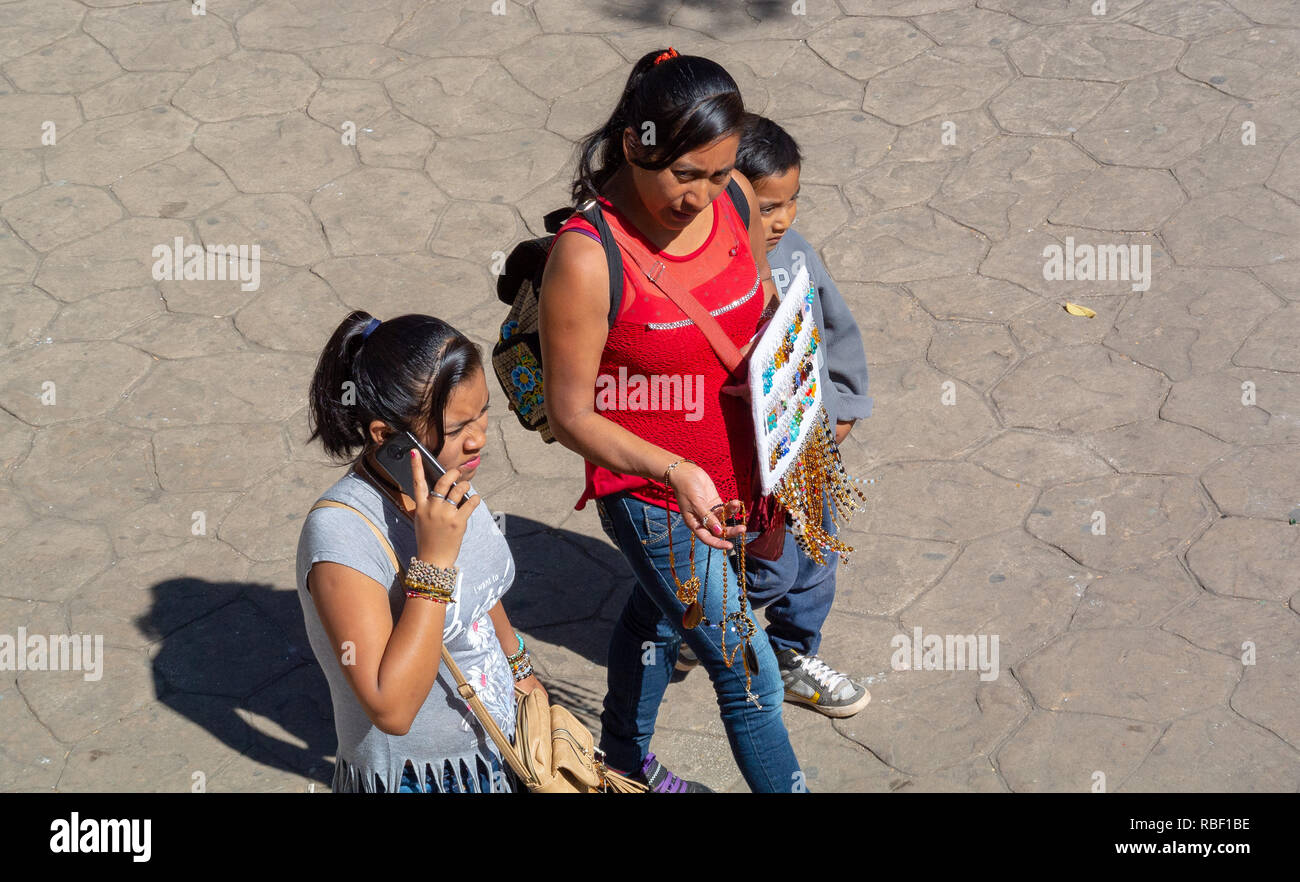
332,402
400,372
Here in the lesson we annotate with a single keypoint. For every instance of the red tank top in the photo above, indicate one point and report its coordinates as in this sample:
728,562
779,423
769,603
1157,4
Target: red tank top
659,377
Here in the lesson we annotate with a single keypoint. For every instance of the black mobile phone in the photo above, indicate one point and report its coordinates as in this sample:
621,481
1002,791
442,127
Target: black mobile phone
395,459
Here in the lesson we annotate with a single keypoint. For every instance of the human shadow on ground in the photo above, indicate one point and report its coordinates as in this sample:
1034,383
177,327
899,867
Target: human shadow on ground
234,656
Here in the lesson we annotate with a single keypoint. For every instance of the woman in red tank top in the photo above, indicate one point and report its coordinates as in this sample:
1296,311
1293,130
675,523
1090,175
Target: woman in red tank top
642,402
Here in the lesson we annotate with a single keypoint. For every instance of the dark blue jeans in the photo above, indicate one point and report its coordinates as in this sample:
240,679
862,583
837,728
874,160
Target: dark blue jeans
644,644
489,781
797,593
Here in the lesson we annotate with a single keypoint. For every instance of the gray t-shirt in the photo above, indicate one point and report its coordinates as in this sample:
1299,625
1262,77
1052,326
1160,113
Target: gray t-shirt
445,729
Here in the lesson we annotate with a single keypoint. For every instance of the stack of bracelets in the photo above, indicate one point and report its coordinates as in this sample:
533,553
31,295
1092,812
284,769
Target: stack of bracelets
521,663
425,580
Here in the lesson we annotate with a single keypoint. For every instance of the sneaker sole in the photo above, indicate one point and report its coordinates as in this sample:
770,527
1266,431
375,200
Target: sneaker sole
684,666
838,712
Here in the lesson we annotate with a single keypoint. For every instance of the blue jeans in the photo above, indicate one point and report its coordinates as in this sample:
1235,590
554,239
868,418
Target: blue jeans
452,783
797,592
643,649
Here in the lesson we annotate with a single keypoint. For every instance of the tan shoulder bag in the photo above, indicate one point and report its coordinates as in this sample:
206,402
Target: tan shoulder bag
553,752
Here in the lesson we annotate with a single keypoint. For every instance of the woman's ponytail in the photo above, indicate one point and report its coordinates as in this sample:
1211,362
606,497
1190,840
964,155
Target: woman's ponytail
401,372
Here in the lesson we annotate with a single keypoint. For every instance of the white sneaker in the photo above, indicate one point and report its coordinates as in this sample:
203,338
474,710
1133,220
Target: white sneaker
811,682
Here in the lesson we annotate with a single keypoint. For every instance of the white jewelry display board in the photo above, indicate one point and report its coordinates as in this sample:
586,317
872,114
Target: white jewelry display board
786,397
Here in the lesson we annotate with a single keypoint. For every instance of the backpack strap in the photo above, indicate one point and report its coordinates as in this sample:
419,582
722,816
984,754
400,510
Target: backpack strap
591,212
595,215
738,200
613,257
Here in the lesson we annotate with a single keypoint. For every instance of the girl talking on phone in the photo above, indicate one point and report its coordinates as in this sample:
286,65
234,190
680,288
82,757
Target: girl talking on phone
377,631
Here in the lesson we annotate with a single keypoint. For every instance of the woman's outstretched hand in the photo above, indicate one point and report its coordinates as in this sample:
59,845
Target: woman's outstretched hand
702,507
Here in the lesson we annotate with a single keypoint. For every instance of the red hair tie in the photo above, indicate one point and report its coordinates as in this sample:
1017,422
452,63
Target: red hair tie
663,56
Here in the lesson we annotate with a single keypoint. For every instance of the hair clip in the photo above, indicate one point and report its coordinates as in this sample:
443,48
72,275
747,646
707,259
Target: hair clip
664,56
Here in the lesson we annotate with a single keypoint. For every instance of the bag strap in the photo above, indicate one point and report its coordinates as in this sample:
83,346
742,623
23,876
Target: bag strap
467,692
591,212
594,215
657,272
738,200
613,257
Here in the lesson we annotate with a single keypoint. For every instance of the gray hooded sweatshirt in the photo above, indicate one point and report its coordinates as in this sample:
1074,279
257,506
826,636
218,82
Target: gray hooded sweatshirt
845,395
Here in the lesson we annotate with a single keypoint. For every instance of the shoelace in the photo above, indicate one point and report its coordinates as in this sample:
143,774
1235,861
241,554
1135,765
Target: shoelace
670,783
827,677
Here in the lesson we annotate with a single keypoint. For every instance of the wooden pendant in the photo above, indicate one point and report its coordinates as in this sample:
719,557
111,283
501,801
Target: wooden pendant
751,658
694,612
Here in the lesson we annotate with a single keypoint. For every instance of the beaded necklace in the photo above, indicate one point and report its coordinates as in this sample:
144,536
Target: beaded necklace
799,461
688,593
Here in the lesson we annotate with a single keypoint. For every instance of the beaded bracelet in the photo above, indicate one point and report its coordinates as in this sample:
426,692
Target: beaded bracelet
429,595
426,589
518,656
426,581
521,665
425,573
668,471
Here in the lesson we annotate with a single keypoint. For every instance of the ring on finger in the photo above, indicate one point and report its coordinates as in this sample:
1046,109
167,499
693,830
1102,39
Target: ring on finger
439,495
452,501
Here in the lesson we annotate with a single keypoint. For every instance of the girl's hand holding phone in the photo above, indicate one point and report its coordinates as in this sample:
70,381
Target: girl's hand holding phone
440,516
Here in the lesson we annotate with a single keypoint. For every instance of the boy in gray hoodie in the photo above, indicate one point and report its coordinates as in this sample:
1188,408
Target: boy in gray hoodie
796,591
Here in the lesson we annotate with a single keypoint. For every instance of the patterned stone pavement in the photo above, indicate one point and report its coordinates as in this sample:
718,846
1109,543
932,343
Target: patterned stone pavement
152,439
